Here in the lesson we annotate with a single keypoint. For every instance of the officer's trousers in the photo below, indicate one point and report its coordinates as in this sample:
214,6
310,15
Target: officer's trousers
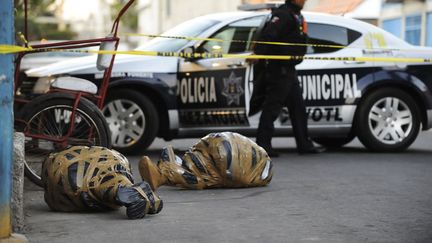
283,89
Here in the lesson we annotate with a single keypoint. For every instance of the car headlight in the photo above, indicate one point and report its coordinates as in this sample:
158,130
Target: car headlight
43,85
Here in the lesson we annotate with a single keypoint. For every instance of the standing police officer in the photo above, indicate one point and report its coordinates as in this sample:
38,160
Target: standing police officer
281,83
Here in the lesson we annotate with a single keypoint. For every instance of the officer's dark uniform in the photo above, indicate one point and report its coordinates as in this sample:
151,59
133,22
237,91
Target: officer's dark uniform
281,83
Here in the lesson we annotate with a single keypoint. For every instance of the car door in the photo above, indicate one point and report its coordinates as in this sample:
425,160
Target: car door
212,92
329,84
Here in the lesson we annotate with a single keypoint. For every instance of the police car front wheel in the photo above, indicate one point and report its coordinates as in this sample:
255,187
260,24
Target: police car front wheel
388,120
132,119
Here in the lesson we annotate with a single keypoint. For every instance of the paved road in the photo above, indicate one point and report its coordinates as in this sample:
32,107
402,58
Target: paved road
348,195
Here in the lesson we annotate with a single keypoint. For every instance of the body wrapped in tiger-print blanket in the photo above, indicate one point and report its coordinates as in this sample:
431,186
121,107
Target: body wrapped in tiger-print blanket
95,178
218,160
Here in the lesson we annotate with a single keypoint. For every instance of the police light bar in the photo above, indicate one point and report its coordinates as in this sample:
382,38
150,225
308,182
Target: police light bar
259,6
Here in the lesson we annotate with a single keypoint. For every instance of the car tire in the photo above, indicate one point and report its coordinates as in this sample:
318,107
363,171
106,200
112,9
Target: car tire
388,120
333,142
132,119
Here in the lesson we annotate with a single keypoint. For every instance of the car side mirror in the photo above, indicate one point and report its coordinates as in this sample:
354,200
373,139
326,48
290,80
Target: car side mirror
104,60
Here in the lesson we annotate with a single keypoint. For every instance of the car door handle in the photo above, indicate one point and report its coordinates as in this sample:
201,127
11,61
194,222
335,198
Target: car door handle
235,64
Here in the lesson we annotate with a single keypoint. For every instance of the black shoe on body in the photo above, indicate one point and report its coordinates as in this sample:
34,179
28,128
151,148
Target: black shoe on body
312,150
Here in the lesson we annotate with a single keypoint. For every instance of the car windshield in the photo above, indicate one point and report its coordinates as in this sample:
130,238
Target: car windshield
191,28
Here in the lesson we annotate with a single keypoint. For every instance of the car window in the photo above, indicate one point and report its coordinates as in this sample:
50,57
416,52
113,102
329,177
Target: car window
237,37
324,34
191,28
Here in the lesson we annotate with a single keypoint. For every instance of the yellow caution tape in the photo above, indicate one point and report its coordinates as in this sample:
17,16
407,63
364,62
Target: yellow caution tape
8,49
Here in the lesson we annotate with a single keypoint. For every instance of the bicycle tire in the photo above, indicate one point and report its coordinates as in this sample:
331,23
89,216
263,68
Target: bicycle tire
52,117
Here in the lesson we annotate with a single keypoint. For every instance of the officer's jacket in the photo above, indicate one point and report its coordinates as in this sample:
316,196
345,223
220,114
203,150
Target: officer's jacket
286,25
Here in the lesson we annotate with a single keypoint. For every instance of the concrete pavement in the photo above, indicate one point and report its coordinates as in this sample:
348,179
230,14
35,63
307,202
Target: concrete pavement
349,195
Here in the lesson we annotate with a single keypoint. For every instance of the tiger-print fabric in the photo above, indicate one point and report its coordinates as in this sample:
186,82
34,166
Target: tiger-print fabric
94,178
218,160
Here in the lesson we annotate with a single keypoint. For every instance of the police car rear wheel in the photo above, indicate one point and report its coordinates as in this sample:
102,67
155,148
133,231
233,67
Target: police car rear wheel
132,119
388,120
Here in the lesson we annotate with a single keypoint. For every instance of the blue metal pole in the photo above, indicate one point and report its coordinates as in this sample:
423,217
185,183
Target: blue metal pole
6,118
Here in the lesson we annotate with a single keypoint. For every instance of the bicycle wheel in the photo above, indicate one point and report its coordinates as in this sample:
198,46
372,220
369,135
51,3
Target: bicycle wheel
47,127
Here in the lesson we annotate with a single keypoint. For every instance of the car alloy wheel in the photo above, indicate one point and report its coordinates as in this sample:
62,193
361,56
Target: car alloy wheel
133,120
387,120
126,121
390,120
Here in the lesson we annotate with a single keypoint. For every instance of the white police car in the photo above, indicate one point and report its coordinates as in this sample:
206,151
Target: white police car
384,104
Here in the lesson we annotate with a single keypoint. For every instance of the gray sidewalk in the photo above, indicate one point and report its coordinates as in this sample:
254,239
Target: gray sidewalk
348,195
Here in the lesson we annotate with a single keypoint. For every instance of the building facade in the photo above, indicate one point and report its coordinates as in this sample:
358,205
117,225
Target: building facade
365,10
89,19
410,20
